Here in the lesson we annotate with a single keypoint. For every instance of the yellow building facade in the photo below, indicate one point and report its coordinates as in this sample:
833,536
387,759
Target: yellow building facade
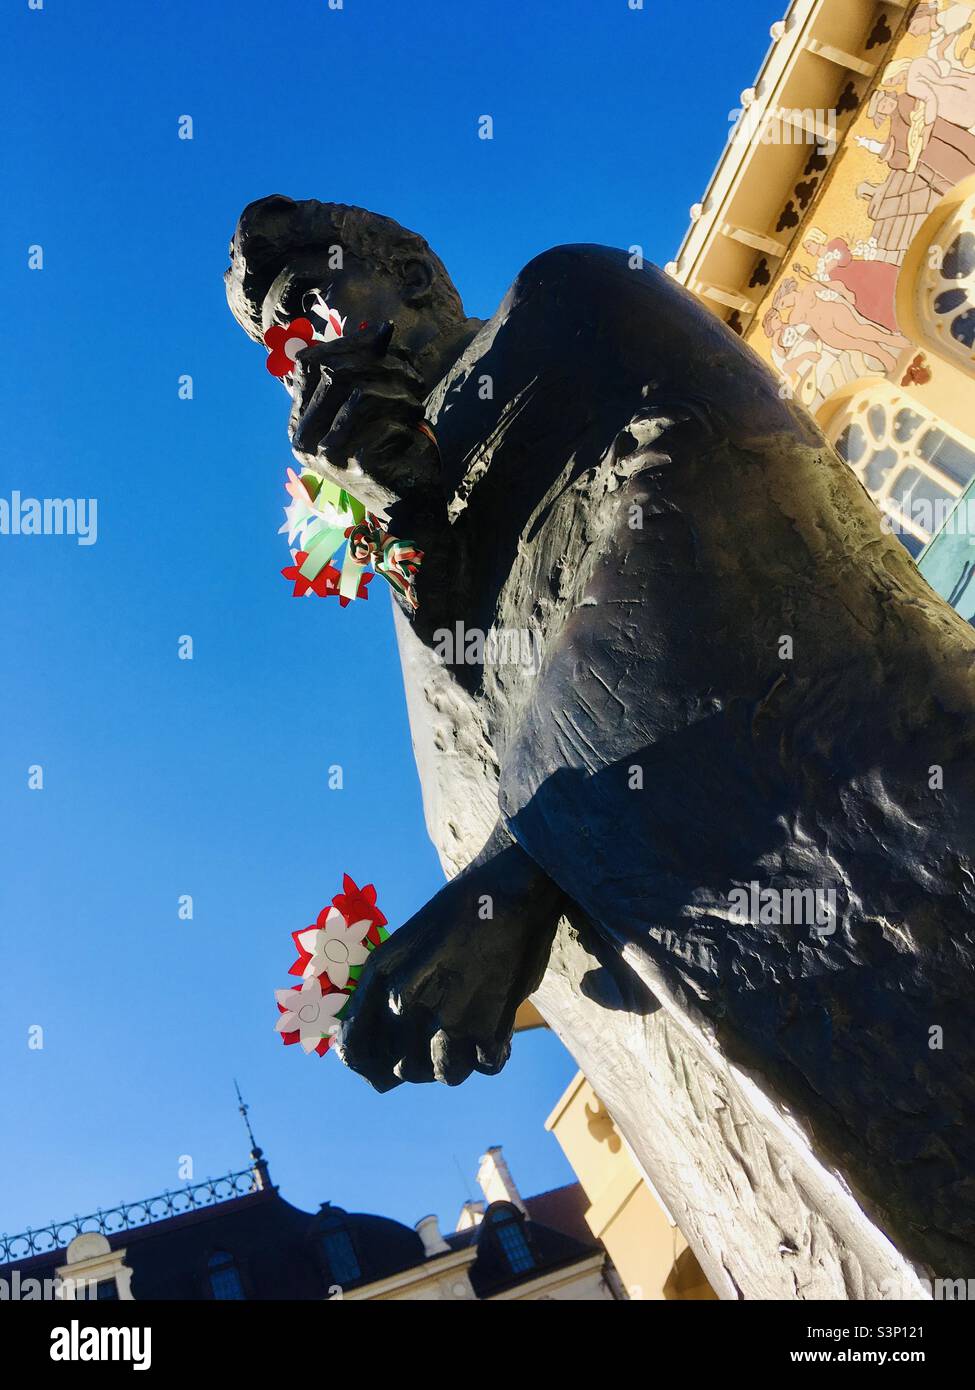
648,1251
837,236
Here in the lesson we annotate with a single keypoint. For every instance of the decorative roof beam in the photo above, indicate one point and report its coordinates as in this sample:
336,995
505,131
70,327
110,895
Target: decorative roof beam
725,296
766,244
840,58
805,121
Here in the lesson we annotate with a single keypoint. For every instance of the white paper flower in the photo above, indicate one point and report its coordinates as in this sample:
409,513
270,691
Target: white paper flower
334,948
309,1013
302,515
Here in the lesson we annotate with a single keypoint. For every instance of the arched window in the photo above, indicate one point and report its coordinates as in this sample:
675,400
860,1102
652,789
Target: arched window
339,1251
936,286
914,466
224,1278
507,1225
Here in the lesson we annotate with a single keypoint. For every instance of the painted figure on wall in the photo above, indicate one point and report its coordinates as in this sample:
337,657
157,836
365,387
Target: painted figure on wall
835,320
819,338
868,283
928,104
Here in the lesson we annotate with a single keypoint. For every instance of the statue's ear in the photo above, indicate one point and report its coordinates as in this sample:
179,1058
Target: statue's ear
417,279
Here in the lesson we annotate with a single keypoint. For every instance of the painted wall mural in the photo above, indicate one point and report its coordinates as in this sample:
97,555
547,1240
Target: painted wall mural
830,316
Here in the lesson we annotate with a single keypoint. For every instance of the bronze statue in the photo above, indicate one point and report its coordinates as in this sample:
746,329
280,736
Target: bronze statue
745,696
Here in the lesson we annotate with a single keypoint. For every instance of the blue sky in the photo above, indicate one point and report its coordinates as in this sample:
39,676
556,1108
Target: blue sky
208,777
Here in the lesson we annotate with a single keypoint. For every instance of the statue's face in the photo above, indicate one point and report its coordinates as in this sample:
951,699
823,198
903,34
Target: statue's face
359,292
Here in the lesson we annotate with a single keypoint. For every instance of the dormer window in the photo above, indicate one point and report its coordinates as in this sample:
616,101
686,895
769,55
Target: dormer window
508,1227
337,1247
224,1276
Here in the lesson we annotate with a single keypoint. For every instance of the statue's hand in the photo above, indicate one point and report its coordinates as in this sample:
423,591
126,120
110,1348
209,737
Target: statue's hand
356,411
438,999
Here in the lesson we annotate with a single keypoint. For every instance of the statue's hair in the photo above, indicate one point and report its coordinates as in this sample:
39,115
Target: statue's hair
273,230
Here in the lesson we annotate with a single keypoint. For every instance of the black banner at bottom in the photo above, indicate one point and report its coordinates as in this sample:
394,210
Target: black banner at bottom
170,1338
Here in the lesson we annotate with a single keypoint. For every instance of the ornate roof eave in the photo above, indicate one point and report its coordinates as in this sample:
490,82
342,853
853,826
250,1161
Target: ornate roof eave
131,1216
818,62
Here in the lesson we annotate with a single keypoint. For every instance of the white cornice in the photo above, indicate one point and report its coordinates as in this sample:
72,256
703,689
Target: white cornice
805,62
786,36
432,1271
554,1279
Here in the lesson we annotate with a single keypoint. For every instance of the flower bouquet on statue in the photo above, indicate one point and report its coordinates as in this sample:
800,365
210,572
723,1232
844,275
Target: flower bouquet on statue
322,516
331,954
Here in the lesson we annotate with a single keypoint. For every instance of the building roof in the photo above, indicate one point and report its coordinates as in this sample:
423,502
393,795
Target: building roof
280,1252
563,1209
277,1249
550,1248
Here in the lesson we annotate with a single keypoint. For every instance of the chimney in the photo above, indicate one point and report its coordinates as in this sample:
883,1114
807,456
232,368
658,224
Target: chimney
428,1229
496,1182
471,1214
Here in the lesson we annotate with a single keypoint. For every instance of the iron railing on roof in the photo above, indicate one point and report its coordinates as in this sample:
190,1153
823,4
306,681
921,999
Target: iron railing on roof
128,1215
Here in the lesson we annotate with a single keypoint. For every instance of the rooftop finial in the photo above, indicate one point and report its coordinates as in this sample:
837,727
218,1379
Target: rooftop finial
262,1177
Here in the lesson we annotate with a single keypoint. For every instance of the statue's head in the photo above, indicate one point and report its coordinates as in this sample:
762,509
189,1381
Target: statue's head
356,403
366,266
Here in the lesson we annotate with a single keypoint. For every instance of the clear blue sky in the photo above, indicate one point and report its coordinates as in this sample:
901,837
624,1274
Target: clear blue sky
208,777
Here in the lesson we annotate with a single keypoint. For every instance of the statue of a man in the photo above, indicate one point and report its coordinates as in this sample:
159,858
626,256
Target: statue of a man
741,758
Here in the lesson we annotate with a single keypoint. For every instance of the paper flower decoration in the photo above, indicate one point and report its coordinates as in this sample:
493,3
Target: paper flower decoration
308,1015
332,324
325,584
286,343
357,903
331,954
321,516
310,509
331,947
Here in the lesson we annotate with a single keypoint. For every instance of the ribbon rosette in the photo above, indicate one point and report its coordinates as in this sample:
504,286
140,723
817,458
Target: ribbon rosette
397,561
331,954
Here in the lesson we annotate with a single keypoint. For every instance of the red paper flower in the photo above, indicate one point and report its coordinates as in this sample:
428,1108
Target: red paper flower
359,905
326,582
286,343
